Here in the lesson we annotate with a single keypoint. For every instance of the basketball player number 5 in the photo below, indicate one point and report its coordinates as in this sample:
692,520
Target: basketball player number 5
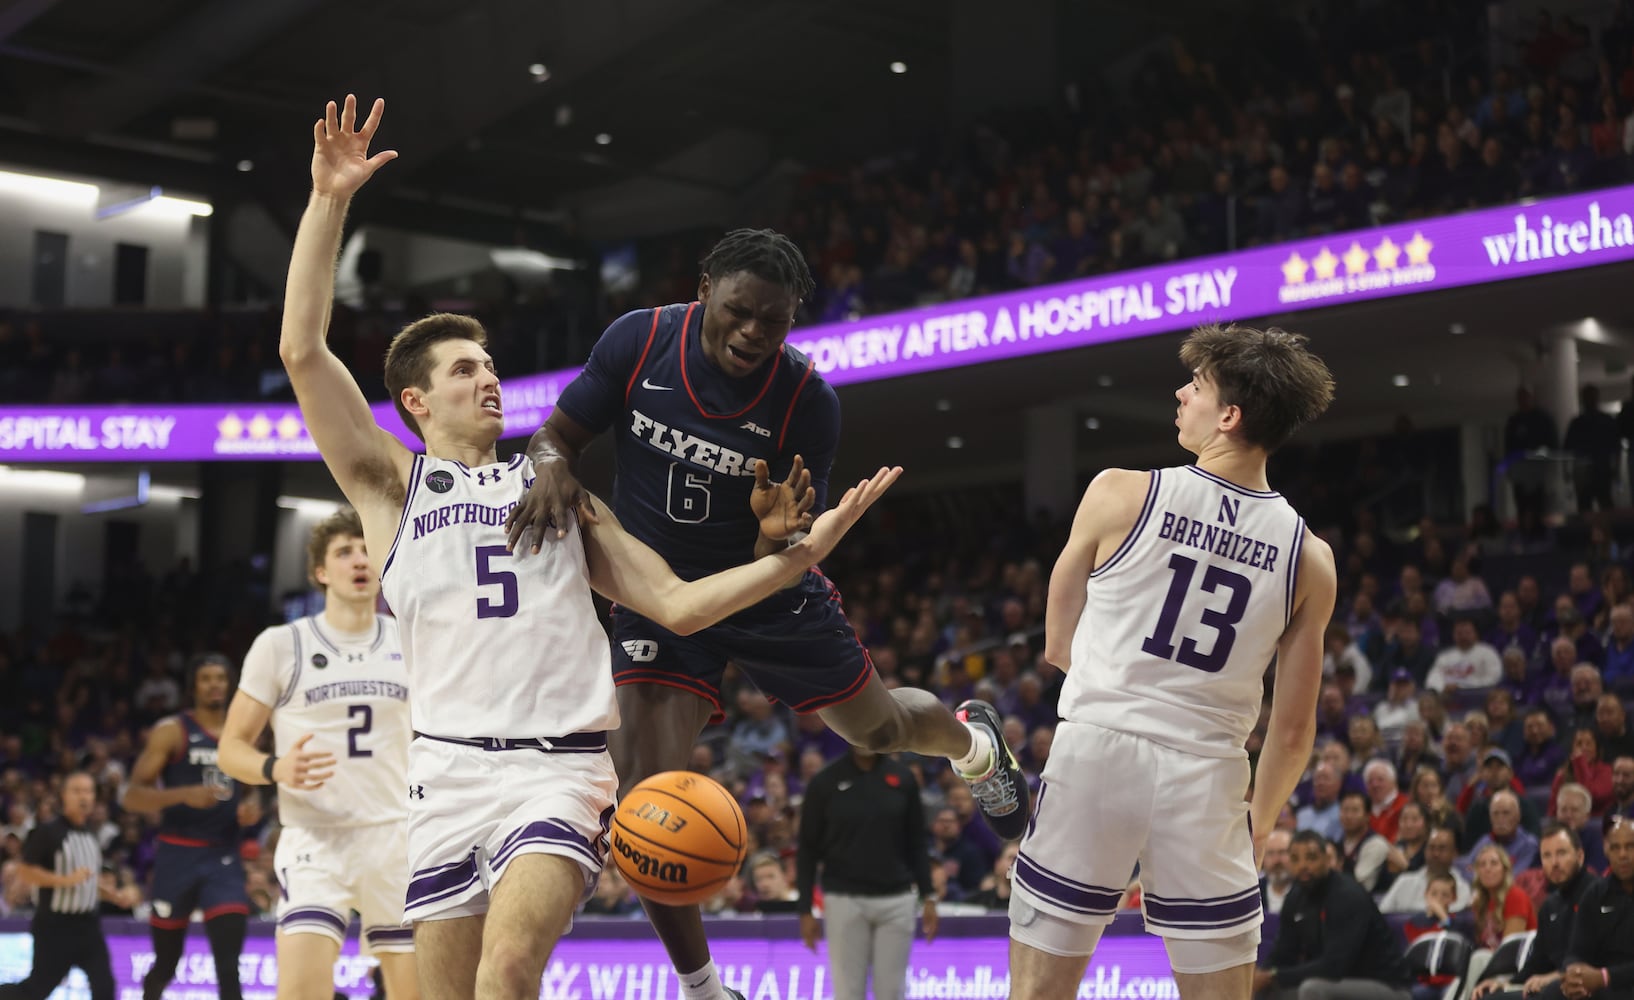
487,576
1161,641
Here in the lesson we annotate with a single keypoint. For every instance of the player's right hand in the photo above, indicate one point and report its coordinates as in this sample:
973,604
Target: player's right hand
828,529
554,497
340,154
810,930
200,797
78,876
302,768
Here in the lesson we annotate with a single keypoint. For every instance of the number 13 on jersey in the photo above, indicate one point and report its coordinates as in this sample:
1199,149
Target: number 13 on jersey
1223,622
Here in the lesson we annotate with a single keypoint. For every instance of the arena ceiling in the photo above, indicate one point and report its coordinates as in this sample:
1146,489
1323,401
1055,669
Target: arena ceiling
707,96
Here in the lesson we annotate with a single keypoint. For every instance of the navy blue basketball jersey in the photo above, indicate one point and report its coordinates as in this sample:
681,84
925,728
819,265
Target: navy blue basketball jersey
688,434
196,765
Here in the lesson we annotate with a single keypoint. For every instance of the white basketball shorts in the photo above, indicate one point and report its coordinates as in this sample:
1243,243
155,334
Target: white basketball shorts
1109,800
326,873
473,811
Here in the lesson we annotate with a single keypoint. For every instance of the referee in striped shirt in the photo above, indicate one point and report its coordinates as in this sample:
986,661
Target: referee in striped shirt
62,859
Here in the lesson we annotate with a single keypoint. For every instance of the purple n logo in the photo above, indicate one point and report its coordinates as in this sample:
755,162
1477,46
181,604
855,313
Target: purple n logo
1228,510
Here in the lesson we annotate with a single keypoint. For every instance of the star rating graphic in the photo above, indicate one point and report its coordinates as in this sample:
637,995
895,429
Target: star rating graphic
289,428
260,427
230,427
1418,249
1293,269
1386,254
1325,264
1356,258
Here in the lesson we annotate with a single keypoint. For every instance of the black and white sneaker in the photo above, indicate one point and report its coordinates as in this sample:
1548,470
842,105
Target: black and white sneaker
1002,793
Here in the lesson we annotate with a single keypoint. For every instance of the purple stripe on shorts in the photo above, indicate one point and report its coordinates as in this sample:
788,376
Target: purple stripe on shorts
544,832
437,883
1077,896
314,915
1221,911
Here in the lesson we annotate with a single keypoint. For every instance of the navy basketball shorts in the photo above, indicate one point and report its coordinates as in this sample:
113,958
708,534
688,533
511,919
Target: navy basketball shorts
196,876
796,646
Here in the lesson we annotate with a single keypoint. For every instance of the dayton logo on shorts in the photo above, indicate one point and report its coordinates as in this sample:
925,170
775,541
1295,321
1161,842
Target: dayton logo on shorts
440,481
648,866
640,650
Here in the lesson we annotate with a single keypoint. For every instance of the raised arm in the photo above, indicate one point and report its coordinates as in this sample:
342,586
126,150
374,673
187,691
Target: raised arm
144,793
624,569
1292,730
365,460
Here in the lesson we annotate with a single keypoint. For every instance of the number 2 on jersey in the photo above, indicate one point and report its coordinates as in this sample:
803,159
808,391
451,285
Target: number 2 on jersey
361,729
1161,641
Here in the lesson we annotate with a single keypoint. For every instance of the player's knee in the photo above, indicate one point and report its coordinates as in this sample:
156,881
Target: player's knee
1199,956
1050,933
510,964
884,738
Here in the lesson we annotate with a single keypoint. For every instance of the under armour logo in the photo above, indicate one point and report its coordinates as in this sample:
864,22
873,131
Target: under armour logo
484,477
417,791
354,657
303,859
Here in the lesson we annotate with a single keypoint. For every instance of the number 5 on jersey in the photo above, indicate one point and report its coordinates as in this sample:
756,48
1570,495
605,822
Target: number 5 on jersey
487,576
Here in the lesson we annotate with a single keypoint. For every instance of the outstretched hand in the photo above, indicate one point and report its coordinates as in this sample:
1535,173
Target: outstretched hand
783,508
828,529
340,151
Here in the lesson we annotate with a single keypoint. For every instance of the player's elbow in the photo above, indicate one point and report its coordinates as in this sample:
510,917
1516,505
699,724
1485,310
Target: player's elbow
1296,736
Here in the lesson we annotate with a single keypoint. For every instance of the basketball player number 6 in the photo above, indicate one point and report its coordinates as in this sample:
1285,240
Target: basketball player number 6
686,500
1161,641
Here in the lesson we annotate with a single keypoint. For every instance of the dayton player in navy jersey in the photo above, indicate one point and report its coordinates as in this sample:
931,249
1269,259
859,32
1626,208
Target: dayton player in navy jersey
197,864
706,399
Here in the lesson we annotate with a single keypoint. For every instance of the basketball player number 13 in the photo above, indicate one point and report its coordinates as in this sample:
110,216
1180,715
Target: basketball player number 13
1161,641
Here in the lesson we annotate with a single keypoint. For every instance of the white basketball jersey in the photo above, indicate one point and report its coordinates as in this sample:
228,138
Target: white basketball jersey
1183,619
352,694
498,644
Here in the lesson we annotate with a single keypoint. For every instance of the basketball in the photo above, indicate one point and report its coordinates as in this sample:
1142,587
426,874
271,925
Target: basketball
678,837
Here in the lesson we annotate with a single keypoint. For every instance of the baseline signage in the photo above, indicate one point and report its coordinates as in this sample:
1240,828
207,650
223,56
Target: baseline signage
585,968
1495,244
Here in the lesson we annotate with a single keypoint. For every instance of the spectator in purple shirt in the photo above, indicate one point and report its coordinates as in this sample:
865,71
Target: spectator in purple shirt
1511,629
1542,756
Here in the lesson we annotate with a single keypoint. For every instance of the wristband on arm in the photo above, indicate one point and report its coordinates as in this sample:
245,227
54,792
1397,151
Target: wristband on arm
267,766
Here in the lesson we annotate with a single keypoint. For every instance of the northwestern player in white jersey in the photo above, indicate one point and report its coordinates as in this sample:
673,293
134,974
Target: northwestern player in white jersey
1175,591
335,690
510,785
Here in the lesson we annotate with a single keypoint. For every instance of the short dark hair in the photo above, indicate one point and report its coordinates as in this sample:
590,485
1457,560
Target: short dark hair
201,661
408,359
1353,794
1447,878
764,253
1554,828
1310,837
1278,384
342,523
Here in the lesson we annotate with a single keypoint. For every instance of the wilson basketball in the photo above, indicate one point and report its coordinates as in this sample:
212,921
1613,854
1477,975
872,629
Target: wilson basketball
678,837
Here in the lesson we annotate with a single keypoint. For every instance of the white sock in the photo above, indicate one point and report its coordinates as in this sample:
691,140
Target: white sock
981,759
702,984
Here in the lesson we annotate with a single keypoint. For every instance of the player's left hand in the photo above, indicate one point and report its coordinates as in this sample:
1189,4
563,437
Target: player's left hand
340,148
828,529
783,508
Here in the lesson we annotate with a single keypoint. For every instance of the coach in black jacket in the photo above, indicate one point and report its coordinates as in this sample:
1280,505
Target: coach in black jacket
1333,943
1600,960
1561,851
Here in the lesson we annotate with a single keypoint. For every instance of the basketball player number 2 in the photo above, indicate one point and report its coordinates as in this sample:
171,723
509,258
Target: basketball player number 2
1161,641
507,604
361,729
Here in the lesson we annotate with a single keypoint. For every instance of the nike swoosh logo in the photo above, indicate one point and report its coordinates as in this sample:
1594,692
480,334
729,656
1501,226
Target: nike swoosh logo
646,383
802,606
